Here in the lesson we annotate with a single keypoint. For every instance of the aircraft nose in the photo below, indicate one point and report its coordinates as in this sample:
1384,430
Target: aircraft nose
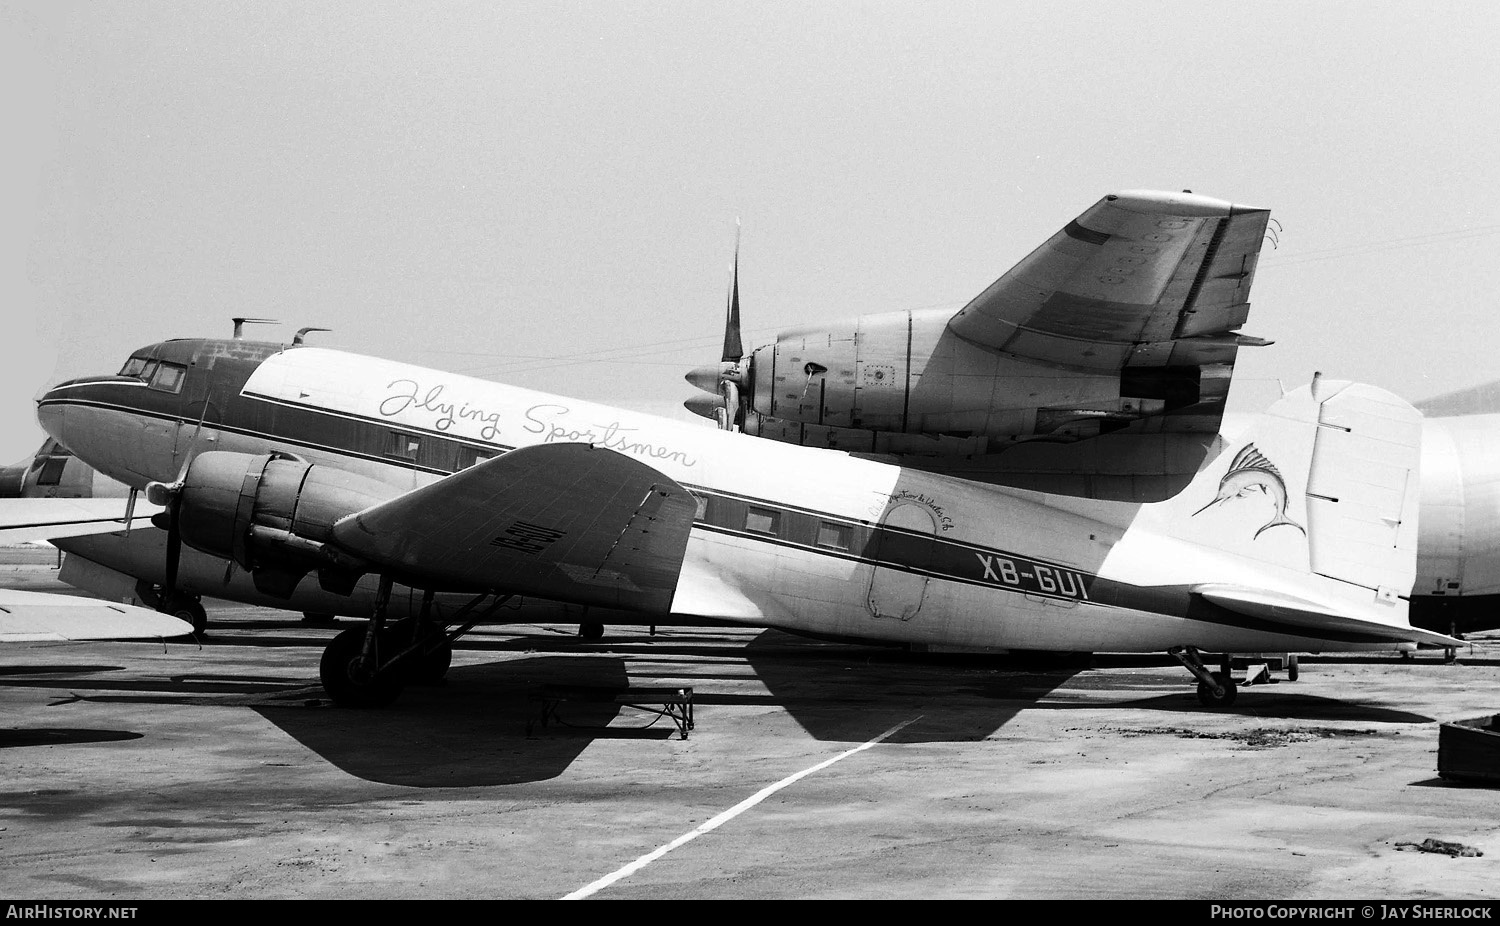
51,414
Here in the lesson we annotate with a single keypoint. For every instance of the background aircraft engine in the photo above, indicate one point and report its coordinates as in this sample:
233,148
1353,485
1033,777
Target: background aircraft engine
272,514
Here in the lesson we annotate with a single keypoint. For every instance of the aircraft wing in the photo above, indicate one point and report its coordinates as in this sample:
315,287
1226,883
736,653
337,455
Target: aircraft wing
29,519
1141,280
565,521
35,617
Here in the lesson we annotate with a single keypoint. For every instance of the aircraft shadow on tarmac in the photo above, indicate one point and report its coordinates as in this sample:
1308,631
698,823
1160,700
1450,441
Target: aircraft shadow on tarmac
1258,701
60,736
472,730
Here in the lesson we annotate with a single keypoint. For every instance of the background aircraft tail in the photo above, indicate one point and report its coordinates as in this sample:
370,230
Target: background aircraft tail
1324,484
1476,400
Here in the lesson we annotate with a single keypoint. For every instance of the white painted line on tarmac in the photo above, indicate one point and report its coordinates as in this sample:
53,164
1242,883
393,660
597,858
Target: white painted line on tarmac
728,815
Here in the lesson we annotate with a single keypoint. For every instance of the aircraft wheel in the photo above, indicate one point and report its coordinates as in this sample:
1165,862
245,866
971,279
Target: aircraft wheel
190,610
1206,695
349,679
431,668
591,631
1291,669
1450,653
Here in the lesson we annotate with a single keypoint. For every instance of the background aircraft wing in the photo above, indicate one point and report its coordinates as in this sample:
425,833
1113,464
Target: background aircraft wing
28,519
565,521
1141,279
32,617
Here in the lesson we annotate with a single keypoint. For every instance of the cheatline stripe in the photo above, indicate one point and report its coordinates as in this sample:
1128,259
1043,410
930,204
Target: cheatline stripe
728,815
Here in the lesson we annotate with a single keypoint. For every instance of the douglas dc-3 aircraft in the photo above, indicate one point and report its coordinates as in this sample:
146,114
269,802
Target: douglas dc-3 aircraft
279,463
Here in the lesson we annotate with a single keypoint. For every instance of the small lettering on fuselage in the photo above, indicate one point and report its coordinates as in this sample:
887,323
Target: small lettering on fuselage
1031,577
922,498
548,421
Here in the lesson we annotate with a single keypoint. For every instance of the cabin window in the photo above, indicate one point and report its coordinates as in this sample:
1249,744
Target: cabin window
762,520
168,377
402,445
834,536
468,456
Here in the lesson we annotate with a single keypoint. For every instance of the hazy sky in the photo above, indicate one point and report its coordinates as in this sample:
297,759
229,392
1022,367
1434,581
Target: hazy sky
545,194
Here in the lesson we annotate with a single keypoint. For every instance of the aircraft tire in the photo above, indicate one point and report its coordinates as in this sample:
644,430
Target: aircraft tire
1206,695
347,681
592,631
191,610
431,668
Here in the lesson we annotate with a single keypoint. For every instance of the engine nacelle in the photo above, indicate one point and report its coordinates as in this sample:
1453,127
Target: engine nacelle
907,373
272,513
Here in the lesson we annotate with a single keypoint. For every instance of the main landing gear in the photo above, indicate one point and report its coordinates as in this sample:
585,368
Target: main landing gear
179,604
369,666
1218,689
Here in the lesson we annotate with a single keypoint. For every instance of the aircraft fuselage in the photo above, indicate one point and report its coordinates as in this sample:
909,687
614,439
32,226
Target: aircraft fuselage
785,536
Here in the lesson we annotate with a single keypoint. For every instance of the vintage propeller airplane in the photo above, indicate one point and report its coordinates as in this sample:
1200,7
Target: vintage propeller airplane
280,462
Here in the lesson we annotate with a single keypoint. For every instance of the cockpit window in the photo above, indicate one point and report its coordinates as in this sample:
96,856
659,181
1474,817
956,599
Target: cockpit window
168,377
135,366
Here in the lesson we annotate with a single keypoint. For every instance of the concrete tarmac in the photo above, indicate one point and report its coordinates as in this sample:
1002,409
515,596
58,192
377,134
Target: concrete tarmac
218,769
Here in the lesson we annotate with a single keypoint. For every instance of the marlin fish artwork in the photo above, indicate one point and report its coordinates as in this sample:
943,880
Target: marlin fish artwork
1250,470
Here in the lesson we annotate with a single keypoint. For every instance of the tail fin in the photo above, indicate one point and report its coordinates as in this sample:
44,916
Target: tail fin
1323,484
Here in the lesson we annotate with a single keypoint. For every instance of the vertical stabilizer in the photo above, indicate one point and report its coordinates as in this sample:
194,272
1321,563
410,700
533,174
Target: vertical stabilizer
1324,484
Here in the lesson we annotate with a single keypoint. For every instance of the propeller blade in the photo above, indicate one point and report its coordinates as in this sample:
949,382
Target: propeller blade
174,547
169,496
734,348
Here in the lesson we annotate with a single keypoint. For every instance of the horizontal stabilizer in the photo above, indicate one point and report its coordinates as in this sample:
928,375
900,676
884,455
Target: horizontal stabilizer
569,522
35,617
1299,613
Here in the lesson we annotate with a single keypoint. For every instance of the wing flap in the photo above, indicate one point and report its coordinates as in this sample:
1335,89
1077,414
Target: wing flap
569,522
